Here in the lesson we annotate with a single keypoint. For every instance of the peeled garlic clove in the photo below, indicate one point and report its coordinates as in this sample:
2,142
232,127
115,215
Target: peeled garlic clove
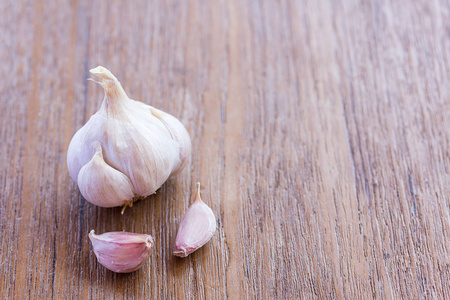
144,146
196,227
121,252
101,184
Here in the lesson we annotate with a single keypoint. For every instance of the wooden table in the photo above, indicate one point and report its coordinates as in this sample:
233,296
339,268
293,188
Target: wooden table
320,130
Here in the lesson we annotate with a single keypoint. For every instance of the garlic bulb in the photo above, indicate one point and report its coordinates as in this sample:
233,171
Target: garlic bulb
126,150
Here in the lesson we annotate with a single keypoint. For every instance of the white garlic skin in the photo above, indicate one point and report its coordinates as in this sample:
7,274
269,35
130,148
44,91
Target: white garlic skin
144,144
121,252
97,180
179,134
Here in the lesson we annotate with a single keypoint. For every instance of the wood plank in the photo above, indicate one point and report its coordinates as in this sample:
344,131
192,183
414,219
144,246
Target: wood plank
321,137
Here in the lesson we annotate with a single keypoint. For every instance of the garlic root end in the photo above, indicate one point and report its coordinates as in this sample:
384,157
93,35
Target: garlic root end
180,253
126,204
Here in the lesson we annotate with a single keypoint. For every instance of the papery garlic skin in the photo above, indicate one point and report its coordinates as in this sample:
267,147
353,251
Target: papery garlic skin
196,227
179,134
121,252
143,143
97,180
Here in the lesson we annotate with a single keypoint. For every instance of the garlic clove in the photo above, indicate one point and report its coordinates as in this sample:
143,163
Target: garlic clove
80,149
196,227
121,252
103,185
141,154
179,134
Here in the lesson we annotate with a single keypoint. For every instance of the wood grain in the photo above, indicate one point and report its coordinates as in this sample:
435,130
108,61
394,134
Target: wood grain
321,137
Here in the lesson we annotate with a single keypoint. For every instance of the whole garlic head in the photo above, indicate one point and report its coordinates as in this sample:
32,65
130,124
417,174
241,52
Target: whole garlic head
127,149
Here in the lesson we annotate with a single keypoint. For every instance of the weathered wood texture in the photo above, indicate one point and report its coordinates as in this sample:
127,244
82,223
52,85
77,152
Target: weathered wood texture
321,135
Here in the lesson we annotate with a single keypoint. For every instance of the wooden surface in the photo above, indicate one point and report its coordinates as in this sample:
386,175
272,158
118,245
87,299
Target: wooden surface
321,137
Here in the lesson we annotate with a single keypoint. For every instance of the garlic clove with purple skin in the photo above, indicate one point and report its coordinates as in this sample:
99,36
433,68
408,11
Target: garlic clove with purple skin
196,227
121,252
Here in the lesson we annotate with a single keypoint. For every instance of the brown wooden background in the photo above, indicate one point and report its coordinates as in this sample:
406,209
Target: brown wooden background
320,130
